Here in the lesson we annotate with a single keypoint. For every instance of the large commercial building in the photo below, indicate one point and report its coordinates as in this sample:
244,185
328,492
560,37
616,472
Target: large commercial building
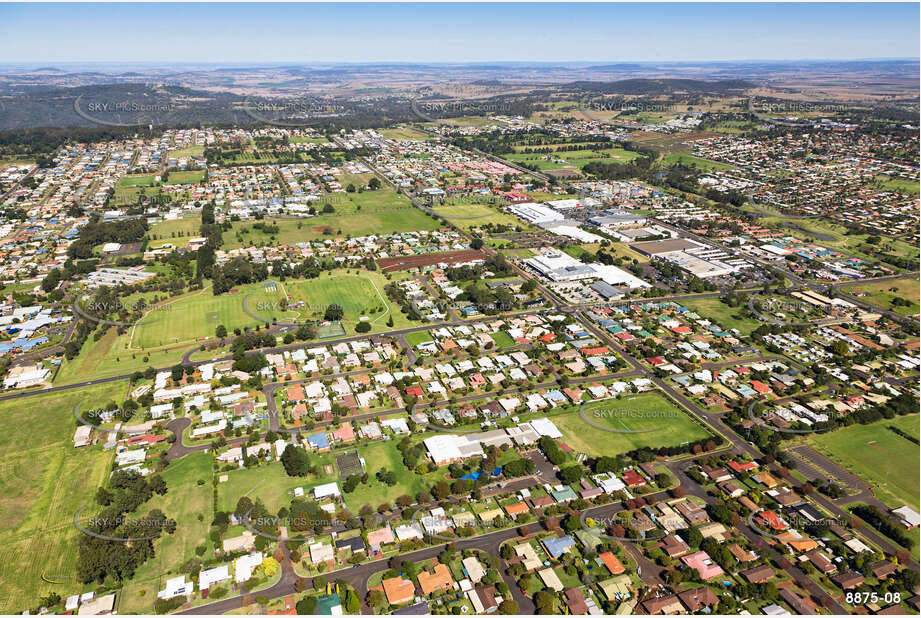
558,266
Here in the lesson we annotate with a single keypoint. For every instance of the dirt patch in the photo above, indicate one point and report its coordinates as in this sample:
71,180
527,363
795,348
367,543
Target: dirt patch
429,259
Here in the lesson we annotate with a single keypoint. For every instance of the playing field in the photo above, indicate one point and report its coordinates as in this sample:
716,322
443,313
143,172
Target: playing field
576,159
688,160
668,425
44,481
881,294
886,460
175,231
196,315
402,133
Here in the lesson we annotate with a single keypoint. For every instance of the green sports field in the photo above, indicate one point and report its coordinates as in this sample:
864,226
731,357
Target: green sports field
576,159
680,158
44,481
669,425
886,460
196,315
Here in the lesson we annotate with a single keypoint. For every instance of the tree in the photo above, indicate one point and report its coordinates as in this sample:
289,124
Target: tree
306,606
363,327
295,461
374,184
221,331
333,313
352,602
270,566
508,607
544,602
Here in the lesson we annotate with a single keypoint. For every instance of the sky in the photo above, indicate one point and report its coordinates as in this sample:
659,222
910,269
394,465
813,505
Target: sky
423,32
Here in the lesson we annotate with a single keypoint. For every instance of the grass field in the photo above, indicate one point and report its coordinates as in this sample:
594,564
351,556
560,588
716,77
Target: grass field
111,356
188,501
459,212
175,231
902,185
185,178
881,294
886,460
196,315
382,455
401,133
680,158
721,313
44,481
188,151
416,338
835,236
356,214
144,180
669,425
573,159
270,483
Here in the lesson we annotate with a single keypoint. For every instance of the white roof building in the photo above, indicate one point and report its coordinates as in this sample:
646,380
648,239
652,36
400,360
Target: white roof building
213,576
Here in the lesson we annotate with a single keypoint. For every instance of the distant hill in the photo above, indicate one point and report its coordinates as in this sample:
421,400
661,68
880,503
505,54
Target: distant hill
665,86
